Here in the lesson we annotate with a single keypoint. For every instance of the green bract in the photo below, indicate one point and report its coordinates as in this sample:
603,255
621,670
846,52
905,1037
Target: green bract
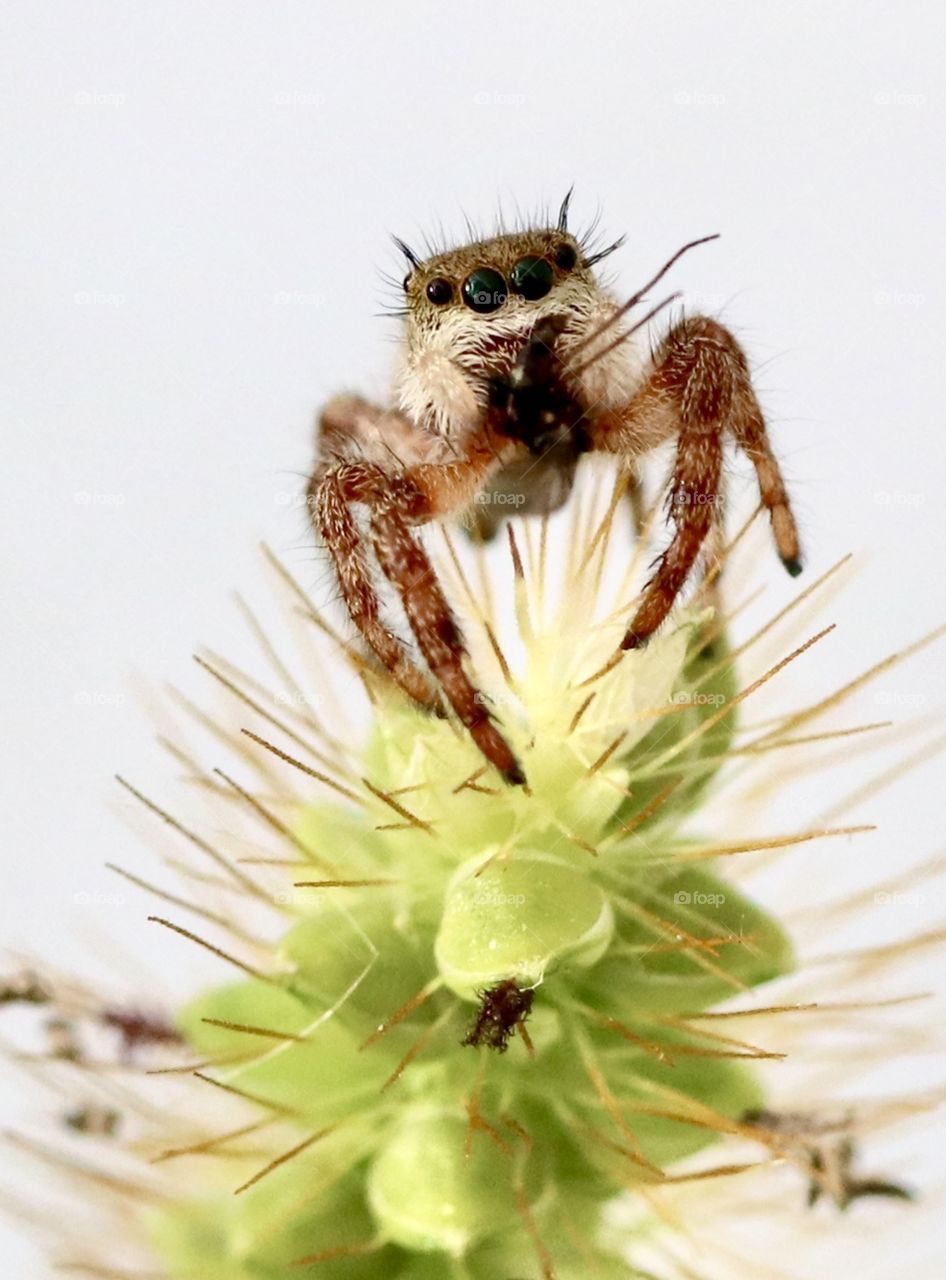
516,919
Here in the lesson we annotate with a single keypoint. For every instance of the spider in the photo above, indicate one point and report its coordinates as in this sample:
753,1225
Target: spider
516,361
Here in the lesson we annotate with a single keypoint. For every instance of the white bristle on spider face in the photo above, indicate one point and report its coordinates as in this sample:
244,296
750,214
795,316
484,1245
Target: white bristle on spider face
515,362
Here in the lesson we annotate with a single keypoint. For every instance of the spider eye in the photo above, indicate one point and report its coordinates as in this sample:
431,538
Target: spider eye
439,291
531,278
484,290
406,282
565,257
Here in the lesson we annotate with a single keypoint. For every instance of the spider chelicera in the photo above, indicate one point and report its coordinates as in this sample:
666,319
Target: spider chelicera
515,362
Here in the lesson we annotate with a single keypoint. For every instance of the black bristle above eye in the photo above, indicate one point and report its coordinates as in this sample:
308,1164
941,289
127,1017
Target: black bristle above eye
563,211
603,253
407,251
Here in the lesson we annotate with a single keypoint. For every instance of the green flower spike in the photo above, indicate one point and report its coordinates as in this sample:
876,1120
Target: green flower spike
495,1025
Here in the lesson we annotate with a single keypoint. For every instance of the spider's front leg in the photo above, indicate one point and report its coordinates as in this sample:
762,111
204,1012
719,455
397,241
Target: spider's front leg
331,493
698,389
407,567
409,487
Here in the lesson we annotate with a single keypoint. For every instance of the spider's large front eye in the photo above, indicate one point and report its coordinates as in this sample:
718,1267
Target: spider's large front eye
439,291
531,278
484,290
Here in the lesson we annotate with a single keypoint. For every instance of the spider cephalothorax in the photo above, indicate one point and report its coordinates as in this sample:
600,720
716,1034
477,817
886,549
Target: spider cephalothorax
515,362
470,310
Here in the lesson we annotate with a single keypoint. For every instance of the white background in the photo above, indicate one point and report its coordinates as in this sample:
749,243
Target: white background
197,205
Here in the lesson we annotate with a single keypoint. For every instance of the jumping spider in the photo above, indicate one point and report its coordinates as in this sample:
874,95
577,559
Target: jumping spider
515,362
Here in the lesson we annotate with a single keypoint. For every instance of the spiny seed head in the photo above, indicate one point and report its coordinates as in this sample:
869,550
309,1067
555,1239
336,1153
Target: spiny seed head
388,913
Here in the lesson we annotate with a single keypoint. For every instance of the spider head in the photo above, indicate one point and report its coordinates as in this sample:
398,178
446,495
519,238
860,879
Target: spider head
470,309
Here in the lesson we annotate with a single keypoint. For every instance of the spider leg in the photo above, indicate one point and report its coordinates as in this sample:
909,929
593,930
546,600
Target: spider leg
378,460
407,567
353,429
714,551
698,389
692,506
752,438
344,542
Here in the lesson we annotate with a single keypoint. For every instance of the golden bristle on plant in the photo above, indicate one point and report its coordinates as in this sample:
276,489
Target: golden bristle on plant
469,1031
